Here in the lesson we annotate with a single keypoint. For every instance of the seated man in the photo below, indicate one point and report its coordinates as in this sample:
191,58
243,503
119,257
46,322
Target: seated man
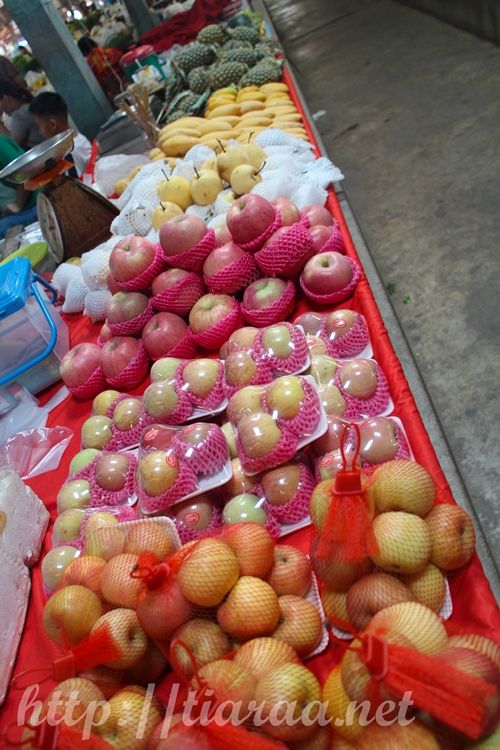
22,210
50,113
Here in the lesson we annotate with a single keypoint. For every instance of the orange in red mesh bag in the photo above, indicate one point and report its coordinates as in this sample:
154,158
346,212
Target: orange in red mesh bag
403,652
343,513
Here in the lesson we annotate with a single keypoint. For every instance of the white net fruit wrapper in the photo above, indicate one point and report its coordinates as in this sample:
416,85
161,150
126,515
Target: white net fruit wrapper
75,295
184,168
96,303
63,274
277,187
109,169
308,193
197,155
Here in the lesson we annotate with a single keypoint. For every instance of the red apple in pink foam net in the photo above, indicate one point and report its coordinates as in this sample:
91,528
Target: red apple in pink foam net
79,363
125,306
164,331
168,279
117,353
263,293
288,211
130,257
221,257
318,215
105,334
320,234
326,273
181,233
249,217
222,233
112,285
209,310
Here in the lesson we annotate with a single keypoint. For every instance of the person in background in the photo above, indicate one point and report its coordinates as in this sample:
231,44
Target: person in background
22,210
9,73
105,64
14,101
50,113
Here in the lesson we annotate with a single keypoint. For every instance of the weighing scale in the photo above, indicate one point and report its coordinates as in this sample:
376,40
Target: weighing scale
73,217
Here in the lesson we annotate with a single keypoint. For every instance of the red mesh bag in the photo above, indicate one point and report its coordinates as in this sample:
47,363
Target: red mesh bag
339,296
92,386
132,327
296,508
287,253
49,736
235,276
374,404
194,258
257,243
273,313
346,532
134,373
403,650
296,357
180,298
216,335
203,446
144,279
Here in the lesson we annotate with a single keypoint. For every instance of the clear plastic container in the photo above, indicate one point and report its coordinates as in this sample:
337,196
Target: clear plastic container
24,335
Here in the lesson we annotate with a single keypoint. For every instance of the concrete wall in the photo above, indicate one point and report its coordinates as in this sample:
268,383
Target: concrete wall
480,17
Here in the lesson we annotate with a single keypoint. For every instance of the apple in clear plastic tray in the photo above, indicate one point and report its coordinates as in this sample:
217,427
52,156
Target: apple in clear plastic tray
310,321
96,432
281,485
127,413
323,368
157,472
194,436
359,378
330,463
259,434
74,494
243,338
339,323
230,435
103,401
277,340
332,400
379,440
111,471
200,376
240,483
330,441
157,437
160,399
67,525
195,513
240,368
82,459
245,507
165,368
284,396
316,345
248,400
99,519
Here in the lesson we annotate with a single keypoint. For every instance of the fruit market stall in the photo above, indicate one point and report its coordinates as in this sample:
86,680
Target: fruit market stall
278,393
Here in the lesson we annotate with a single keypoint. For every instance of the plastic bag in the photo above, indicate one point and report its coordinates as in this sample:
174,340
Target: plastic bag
35,451
109,169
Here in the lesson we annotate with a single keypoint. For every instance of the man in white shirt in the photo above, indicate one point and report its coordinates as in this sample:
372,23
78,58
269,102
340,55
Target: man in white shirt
50,113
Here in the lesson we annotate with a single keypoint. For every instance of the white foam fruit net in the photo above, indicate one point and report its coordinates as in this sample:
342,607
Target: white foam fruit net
109,169
64,274
95,263
96,303
75,295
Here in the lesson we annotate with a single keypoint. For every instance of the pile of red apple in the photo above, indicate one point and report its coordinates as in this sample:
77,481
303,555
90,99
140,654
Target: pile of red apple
250,269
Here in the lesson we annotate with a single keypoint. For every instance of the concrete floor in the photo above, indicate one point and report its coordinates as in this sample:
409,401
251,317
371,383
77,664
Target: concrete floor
412,114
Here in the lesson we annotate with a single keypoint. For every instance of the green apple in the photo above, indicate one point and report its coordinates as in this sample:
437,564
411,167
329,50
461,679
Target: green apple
74,494
164,368
67,525
96,432
245,507
277,341
82,459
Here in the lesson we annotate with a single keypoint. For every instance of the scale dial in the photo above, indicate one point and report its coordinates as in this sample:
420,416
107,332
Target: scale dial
50,226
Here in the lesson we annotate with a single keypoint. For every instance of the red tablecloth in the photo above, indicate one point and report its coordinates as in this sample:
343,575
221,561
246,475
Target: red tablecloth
474,606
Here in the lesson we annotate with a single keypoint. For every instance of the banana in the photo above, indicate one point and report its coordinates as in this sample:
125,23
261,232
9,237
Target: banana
255,96
179,145
225,109
251,106
215,124
274,86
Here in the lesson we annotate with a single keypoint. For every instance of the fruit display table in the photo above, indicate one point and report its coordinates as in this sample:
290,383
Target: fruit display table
474,606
